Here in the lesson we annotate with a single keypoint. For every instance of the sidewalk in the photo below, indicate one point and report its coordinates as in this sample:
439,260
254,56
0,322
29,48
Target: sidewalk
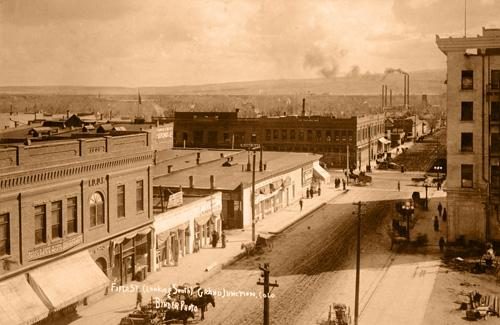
192,268
425,220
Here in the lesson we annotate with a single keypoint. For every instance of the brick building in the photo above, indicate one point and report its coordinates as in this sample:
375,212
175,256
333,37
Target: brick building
329,136
74,214
473,140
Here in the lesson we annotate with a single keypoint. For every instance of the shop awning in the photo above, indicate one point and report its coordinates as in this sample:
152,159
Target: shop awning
201,220
132,234
384,141
19,304
321,173
68,280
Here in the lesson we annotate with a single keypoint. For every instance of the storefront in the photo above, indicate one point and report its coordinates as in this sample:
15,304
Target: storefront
130,256
186,229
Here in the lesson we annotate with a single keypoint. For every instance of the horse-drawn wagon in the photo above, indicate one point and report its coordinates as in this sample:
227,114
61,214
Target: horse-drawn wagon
180,306
361,179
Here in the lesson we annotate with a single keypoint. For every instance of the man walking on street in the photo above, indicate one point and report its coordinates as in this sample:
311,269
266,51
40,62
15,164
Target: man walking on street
441,244
215,238
301,203
440,208
436,224
445,215
399,186
343,183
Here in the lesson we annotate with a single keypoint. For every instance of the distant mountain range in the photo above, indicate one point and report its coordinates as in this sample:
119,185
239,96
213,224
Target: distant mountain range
421,82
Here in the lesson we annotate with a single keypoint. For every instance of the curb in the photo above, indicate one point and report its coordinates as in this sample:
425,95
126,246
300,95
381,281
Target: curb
297,220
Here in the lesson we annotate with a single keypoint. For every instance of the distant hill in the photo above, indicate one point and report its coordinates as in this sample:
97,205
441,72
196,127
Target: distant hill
421,82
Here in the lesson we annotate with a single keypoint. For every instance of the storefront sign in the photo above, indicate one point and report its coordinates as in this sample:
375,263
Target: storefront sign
307,174
164,133
175,200
55,248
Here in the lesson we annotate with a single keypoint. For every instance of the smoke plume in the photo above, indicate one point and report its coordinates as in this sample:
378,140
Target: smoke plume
325,65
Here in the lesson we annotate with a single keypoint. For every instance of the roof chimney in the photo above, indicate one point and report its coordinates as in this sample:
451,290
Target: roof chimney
212,182
67,113
191,181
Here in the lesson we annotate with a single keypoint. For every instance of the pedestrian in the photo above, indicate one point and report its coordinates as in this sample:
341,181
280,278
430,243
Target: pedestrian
319,191
138,301
402,168
343,183
223,239
436,224
441,244
215,238
445,215
312,192
439,185
307,193
440,208
301,203
399,186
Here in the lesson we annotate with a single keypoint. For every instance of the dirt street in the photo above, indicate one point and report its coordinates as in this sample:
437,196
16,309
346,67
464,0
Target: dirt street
313,265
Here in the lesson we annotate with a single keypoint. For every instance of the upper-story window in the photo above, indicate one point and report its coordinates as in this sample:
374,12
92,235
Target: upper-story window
495,111
309,135
57,225
268,135
467,79
466,144
40,224
495,79
96,209
4,234
318,135
71,215
495,143
467,172
301,135
120,201
284,134
328,135
292,134
276,134
139,195
467,111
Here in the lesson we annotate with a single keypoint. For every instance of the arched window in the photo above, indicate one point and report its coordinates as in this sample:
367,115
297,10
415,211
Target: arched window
96,209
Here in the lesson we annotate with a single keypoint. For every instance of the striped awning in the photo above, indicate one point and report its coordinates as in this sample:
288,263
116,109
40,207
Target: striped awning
19,304
68,280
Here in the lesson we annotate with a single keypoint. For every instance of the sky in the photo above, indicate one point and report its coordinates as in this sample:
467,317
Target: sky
137,43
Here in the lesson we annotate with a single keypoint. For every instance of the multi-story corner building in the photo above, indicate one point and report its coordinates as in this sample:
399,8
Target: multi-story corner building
75,214
473,135
329,136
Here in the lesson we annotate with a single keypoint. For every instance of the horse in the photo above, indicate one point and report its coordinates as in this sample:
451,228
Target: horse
201,302
174,314
249,248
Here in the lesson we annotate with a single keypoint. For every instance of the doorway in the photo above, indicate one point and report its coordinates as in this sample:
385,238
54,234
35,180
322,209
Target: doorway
128,267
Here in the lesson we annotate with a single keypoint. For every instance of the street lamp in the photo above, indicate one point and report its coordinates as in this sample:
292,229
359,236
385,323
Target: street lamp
408,209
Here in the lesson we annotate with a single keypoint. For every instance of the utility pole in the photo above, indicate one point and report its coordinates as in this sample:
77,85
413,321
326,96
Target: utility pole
253,197
358,261
266,284
347,172
251,147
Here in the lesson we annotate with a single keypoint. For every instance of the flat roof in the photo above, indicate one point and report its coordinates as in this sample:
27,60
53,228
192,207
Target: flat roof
186,158
229,178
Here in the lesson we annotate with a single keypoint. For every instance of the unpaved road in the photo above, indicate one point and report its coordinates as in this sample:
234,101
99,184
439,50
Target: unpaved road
313,265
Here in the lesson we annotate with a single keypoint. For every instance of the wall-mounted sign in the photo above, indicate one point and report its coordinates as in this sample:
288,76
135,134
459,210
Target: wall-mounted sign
55,248
307,174
175,200
97,181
